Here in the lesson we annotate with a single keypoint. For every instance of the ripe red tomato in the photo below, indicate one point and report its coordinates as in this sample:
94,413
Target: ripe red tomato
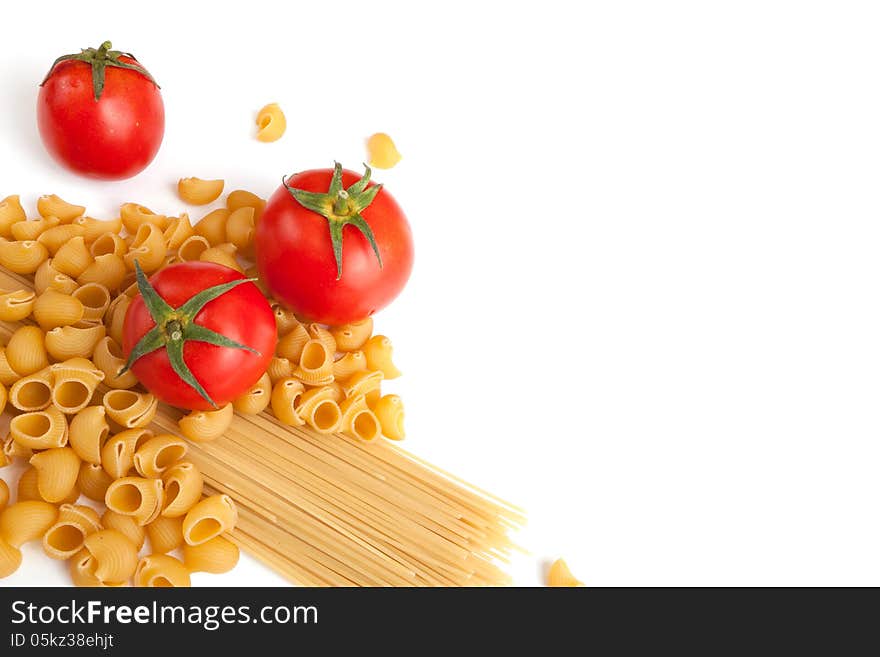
100,114
314,249
240,314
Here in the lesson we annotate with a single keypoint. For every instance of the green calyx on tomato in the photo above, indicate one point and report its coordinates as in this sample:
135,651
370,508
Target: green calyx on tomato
175,326
99,59
341,207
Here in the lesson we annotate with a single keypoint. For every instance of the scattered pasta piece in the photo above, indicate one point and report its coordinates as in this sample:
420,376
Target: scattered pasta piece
271,123
196,191
381,151
559,575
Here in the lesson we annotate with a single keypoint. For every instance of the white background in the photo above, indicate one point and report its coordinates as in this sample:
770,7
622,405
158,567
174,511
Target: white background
645,299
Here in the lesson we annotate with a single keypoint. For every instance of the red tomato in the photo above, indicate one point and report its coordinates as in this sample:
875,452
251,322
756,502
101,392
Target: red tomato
109,132
295,250
241,314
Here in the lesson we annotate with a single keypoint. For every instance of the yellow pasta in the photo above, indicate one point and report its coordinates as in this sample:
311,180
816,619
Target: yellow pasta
378,352
291,344
32,392
27,485
4,459
14,451
315,364
559,575
285,395
192,248
209,518
8,376
271,123
115,555
53,309
108,270
165,534
88,433
31,230
47,277
134,216
130,409
351,362
161,571
125,525
183,489
219,555
73,257
179,229
257,399
3,399
109,359
358,421
107,243
222,254
279,368
22,257
389,410
95,299
241,198
94,228
148,249
240,228
11,212
352,337
16,305
26,350
69,341
10,559
285,320
74,387
66,537
117,454
82,571
40,429
53,206
57,471
55,237
136,497
196,191
4,494
202,426
364,383
26,521
318,332
156,455
319,410
381,151
93,481
213,226
115,317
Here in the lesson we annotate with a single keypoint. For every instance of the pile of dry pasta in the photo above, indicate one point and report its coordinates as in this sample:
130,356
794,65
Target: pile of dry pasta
295,471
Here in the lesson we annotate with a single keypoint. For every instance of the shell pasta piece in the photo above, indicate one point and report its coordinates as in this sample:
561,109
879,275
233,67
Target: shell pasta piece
8,376
318,409
57,236
73,258
285,320
73,387
31,230
136,497
157,454
209,518
93,481
213,226
11,213
114,554
165,534
279,368
66,537
16,305
202,426
271,123
107,243
364,383
219,555
57,471
109,359
257,399
93,228
241,198
222,254
95,299
126,525
70,341
108,270
358,421
389,410
559,575
32,392
4,494
117,454
350,363
291,344
89,432
351,337
53,206
134,216
148,249
47,277
45,429
183,489
315,364
53,309
381,151
196,191
285,396
10,559
161,571
22,257
240,228
192,248
26,521
378,351
179,229
130,409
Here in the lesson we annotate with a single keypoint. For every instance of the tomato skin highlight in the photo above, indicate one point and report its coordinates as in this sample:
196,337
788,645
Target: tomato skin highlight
241,314
295,254
113,138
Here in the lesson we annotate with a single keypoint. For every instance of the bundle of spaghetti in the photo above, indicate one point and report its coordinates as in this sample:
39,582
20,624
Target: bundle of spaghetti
326,510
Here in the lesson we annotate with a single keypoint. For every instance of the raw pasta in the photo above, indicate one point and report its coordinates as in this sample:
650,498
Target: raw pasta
161,570
209,518
196,191
271,123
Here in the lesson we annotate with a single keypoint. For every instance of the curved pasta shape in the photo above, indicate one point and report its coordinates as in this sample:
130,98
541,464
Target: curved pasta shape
94,228
16,305
318,332
271,123
196,191
125,525
285,396
240,228
109,359
48,278
82,571
290,345
351,362
389,410
183,489
73,257
148,249
117,454
241,198
157,454
69,341
114,554
279,368
11,213
285,320
378,351
12,451
57,471
73,388
192,248
108,270
352,337
53,309
31,230
364,383
358,421
66,537
179,229
165,534
381,151
222,254
161,571
88,433
115,317
27,486
203,426
93,481
95,299
130,409
22,257
213,226
4,494
559,575
26,521
40,430
32,392
219,555
107,243
257,399
53,206
55,237
315,364
136,497
10,559
318,409
8,376
209,518
134,216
